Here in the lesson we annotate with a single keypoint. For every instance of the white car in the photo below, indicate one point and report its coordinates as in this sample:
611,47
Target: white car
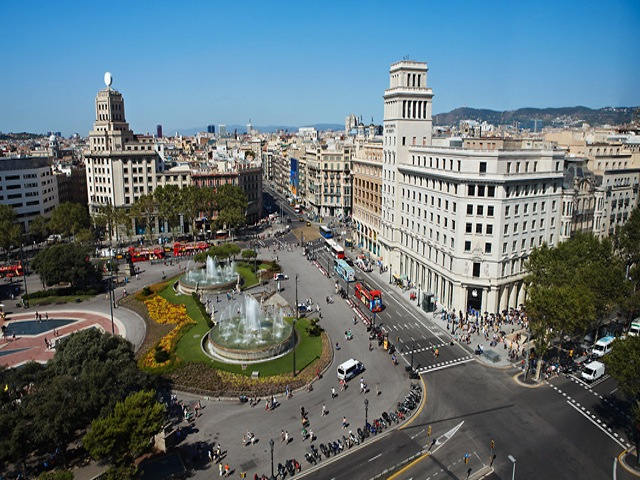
280,276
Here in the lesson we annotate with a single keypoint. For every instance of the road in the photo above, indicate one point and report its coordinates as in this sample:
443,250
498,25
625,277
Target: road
561,429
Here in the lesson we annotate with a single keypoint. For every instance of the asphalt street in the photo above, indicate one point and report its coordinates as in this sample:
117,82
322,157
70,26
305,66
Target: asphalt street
561,429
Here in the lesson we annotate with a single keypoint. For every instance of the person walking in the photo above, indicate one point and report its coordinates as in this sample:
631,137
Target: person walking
344,422
282,436
324,410
227,469
220,469
333,392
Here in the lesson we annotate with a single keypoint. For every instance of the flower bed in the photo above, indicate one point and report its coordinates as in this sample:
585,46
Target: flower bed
163,312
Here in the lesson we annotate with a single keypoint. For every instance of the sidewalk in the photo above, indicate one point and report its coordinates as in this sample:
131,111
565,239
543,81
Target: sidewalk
495,356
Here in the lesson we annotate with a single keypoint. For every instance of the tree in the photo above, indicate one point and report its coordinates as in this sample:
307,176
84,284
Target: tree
168,202
623,364
249,254
126,433
39,228
145,210
231,205
582,260
69,218
627,239
106,218
66,263
571,288
190,204
10,230
556,310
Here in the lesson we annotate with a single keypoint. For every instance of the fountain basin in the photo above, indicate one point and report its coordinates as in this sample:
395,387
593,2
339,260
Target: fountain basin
247,353
213,277
249,331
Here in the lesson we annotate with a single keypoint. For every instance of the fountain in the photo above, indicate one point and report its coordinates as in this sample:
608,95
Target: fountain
247,332
213,277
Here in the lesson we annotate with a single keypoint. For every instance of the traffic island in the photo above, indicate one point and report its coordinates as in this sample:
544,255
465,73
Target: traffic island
629,461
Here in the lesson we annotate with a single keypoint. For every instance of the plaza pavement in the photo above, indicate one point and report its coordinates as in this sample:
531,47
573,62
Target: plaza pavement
226,421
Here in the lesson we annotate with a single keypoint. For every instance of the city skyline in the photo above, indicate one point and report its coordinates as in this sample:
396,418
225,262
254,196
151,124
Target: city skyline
291,65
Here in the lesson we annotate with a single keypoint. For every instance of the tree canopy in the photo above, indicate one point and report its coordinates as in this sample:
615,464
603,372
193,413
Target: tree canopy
231,206
10,230
66,263
623,364
43,406
39,228
125,433
69,218
571,288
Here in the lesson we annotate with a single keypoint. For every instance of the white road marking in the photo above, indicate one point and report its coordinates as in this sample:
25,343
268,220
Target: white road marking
611,392
373,458
599,426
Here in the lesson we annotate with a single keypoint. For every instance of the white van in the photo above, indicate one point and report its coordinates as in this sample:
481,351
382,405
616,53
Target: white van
603,346
634,329
349,369
592,371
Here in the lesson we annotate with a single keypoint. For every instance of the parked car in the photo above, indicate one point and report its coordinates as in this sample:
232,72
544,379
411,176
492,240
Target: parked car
280,276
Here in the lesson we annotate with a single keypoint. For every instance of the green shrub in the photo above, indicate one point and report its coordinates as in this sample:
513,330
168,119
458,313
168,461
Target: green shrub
202,308
314,330
146,291
160,355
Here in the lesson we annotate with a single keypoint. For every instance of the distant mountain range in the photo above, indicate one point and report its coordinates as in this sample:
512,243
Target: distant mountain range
263,128
526,117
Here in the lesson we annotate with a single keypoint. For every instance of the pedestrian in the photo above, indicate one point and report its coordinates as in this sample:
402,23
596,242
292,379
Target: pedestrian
220,468
282,436
46,342
227,469
344,422
210,453
46,316
333,392
324,410
286,437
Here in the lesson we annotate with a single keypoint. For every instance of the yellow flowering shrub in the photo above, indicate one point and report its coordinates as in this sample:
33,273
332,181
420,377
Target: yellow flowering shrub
163,312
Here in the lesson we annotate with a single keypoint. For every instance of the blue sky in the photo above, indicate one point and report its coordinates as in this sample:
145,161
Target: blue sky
187,64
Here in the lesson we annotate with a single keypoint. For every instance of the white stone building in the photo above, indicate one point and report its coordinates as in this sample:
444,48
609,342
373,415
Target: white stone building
460,223
28,186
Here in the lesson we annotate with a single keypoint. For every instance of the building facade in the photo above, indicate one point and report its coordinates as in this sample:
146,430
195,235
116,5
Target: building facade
460,223
28,187
328,180
367,195
120,165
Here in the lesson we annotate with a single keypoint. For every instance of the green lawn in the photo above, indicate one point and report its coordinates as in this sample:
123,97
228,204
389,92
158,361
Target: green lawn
188,348
248,275
53,299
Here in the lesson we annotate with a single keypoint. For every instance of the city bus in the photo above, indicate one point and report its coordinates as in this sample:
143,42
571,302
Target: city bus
13,270
336,250
181,249
368,296
326,232
145,254
343,270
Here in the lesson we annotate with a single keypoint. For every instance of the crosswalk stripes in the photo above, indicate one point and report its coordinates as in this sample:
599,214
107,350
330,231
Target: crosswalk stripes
446,364
427,348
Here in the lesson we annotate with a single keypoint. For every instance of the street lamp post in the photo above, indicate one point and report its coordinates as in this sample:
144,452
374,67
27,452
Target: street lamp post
366,412
513,471
25,297
271,445
294,328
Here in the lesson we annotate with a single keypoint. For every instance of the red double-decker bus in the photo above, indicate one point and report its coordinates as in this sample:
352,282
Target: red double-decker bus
368,296
13,270
186,249
145,254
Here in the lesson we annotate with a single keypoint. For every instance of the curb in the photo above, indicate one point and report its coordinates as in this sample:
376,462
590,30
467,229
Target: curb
633,471
522,384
